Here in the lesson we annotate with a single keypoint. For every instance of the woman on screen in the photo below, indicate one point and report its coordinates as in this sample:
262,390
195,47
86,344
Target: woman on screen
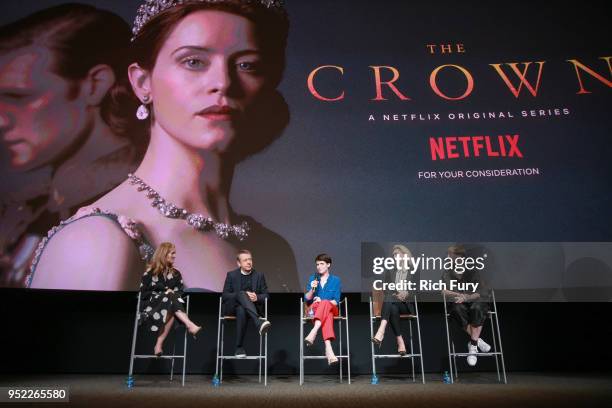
205,74
323,297
395,303
161,290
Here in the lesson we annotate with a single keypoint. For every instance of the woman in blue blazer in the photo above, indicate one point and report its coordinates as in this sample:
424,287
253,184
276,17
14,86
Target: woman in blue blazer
323,297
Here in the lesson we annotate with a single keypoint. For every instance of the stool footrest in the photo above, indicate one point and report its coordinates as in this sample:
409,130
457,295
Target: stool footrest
396,355
321,357
477,355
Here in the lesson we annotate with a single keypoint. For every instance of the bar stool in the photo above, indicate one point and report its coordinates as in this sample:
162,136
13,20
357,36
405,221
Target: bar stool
496,334
263,346
172,357
376,302
342,317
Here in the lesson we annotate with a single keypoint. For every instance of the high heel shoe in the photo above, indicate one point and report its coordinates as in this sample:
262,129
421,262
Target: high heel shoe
402,352
157,354
377,342
332,362
307,342
196,332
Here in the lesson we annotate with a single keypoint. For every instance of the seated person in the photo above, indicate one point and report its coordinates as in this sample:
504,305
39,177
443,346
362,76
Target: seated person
468,308
394,303
161,290
244,294
323,296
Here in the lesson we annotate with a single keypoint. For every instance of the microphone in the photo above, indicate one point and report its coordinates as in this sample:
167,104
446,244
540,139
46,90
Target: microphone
318,280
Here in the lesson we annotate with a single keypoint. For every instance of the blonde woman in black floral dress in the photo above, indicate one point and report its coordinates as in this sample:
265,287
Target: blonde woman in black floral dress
161,290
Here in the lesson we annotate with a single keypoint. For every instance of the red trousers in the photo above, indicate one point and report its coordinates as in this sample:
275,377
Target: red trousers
325,312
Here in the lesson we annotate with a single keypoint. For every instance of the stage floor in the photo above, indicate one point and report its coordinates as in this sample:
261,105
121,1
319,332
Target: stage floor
472,390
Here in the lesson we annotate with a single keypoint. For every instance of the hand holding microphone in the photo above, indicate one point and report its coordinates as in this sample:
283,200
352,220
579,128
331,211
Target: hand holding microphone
313,287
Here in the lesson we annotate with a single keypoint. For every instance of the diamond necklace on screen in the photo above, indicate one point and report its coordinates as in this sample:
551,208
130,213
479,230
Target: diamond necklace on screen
194,220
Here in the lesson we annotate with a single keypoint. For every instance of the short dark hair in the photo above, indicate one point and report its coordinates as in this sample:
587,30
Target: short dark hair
243,252
80,37
323,258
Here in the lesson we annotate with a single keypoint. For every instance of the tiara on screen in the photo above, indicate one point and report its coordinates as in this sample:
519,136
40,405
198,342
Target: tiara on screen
151,8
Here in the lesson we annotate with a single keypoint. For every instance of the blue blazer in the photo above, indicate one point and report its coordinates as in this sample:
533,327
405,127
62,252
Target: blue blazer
331,291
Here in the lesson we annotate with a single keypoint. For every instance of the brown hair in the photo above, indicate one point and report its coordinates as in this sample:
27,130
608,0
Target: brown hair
159,262
324,258
271,29
269,115
457,249
80,37
242,252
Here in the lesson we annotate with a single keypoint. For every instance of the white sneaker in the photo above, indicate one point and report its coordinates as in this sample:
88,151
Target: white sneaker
240,353
471,359
483,346
263,328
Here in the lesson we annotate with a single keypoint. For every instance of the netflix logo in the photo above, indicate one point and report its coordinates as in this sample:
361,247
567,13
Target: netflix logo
455,147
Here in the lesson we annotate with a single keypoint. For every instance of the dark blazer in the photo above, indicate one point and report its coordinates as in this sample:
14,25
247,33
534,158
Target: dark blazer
231,288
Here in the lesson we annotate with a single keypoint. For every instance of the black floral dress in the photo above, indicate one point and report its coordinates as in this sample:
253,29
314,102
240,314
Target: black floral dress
157,306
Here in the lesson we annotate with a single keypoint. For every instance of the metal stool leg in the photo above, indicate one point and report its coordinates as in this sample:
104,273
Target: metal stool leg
448,343
372,336
412,352
455,360
264,339
340,348
222,351
134,335
491,317
259,357
266,350
185,345
172,363
501,349
348,341
218,340
266,361
418,319
301,315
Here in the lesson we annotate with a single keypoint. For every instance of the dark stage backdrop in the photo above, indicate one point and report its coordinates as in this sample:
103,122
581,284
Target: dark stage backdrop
413,121
72,333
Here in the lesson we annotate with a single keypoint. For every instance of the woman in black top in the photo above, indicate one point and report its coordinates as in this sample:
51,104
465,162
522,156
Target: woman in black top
395,303
161,290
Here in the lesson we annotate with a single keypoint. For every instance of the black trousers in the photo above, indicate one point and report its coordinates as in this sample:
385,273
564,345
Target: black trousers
474,313
391,312
242,307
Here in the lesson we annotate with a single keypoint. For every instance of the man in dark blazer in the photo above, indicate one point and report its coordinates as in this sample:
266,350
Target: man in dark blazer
244,294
